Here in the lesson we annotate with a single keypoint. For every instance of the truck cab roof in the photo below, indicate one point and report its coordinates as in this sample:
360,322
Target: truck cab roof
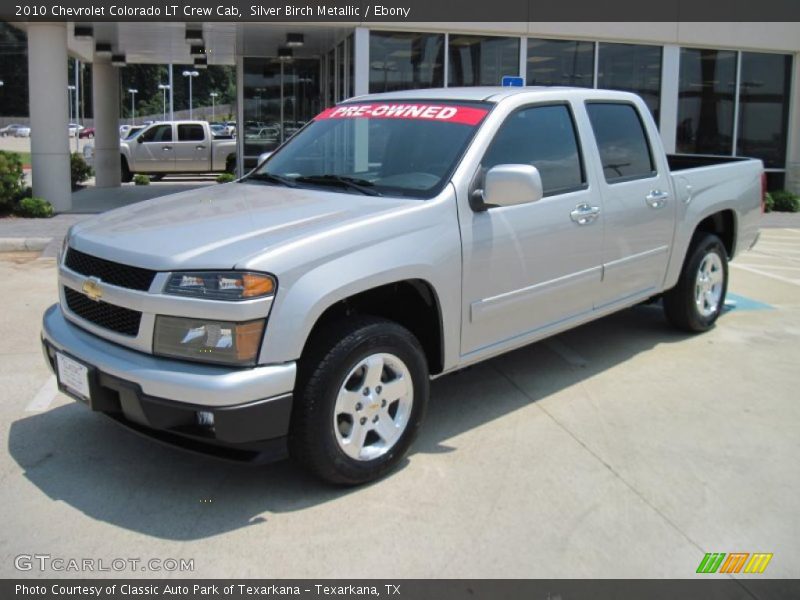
490,94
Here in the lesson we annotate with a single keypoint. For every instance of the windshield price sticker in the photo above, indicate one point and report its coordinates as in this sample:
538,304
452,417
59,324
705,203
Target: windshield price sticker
465,115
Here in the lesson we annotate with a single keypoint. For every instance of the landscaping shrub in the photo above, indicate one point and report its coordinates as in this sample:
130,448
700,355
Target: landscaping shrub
226,177
12,179
37,208
769,203
141,179
79,170
785,201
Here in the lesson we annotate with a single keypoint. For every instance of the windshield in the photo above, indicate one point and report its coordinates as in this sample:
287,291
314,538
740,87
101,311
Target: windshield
380,148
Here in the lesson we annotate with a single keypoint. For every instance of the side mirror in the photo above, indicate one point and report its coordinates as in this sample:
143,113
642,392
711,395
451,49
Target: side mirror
509,185
140,139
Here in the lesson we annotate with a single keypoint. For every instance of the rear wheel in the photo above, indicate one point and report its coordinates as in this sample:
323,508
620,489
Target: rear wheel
361,396
696,301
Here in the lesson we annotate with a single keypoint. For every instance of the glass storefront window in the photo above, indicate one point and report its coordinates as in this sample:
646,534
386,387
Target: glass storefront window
560,62
482,60
631,68
403,61
278,100
706,96
764,107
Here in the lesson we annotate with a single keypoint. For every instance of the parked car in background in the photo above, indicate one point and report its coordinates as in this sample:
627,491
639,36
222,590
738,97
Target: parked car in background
305,307
86,133
74,129
22,131
10,130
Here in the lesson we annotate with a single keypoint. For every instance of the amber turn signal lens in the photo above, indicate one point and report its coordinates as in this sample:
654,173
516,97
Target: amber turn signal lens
257,285
248,340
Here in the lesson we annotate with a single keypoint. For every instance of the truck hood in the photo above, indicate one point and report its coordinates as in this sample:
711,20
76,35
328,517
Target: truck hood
220,226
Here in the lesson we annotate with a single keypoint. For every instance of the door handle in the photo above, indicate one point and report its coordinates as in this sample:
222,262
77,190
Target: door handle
166,148
584,214
656,199
199,147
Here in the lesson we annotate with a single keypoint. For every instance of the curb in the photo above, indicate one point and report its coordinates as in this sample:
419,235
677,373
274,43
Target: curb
32,244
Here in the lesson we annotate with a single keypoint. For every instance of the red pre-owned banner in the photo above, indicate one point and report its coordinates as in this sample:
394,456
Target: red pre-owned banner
448,113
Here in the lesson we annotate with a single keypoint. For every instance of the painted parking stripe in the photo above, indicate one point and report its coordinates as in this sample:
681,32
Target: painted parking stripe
737,302
44,397
766,274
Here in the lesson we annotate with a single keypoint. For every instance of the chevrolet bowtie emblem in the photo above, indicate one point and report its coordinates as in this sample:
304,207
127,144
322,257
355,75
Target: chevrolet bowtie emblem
92,288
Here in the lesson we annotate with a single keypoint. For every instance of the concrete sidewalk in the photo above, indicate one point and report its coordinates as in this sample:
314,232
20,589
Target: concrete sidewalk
45,235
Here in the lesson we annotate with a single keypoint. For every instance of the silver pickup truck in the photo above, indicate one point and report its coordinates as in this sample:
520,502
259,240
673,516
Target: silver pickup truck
398,237
176,147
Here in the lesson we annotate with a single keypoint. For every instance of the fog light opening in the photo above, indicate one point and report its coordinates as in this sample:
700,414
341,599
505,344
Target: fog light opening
205,418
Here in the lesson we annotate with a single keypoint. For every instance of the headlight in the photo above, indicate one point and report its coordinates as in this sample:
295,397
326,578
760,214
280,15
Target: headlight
202,340
221,285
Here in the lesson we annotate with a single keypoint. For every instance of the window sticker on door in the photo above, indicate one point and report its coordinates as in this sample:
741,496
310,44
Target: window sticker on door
465,115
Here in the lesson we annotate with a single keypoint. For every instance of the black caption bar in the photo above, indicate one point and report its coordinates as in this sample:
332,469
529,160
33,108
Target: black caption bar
439,589
400,10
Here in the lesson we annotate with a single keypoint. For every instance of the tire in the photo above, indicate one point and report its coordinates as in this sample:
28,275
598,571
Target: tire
126,175
696,301
337,416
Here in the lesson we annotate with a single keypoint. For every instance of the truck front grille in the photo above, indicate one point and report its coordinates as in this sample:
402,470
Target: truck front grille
134,278
116,318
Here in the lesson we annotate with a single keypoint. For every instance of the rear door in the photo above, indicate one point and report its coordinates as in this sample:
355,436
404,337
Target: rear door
638,208
153,150
192,150
533,267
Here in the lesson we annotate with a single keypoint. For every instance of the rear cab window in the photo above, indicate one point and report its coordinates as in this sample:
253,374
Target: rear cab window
622,141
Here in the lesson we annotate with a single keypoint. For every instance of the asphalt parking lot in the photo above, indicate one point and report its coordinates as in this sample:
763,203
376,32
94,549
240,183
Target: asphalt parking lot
620,449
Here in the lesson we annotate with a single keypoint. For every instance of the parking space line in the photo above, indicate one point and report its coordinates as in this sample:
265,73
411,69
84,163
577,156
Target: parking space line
565,352
766,274
44,397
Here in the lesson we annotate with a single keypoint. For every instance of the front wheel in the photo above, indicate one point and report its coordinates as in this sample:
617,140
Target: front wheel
361,396
696,301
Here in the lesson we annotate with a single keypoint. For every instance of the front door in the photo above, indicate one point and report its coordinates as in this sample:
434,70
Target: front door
531,268
639,212
154,150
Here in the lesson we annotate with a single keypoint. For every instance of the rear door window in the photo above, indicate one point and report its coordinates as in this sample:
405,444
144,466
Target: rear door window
621,141
191,133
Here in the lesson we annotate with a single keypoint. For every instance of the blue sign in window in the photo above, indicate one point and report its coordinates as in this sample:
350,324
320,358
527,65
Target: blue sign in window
512,81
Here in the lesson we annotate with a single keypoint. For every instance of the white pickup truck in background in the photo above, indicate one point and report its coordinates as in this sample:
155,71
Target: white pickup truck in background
174,147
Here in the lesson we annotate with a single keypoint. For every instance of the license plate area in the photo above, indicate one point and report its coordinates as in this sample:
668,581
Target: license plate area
73,377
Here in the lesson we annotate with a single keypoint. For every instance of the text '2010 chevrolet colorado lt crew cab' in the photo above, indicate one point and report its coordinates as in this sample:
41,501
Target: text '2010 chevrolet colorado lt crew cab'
304,308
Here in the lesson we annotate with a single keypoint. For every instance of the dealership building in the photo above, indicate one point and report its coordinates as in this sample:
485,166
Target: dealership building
714,88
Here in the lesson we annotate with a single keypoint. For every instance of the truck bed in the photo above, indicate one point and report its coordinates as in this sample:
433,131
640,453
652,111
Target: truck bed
681,162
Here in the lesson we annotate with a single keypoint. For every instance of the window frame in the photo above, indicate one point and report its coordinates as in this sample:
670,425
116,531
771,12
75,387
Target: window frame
584,185
158,126
654,173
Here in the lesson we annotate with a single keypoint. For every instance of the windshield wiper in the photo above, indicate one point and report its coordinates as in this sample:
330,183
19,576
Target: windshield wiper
361,185
271,178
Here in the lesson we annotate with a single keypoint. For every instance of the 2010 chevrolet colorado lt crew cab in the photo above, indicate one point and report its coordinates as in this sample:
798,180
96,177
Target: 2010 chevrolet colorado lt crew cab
397,237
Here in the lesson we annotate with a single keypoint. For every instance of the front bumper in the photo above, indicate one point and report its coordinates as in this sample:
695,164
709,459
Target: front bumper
161,398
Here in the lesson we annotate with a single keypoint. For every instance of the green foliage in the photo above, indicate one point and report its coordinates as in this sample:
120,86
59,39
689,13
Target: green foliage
37,208
78,169
769,202
226,177
12,179
785,201
141,179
